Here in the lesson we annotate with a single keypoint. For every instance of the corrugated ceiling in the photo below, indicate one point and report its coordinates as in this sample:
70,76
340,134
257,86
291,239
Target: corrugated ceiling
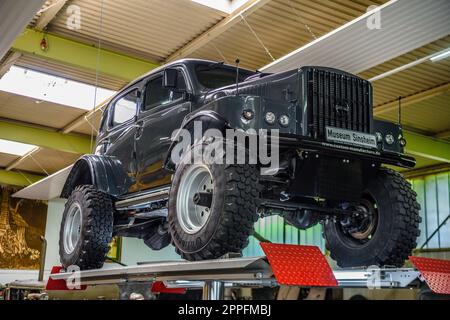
47,160
147,29
404,26
282,26
26,109
416,79
429,116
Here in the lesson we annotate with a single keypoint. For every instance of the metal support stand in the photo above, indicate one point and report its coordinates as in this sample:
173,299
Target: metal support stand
213,290
213,276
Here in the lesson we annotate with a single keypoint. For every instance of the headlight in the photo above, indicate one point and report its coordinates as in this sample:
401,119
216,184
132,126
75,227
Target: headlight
270,117
248,114
284,120
389,138
402,141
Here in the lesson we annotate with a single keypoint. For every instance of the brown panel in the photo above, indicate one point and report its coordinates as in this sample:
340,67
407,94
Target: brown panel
6,159
26,109
50,160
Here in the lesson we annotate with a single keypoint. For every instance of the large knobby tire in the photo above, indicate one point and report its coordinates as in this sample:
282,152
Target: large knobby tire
395,229
86,228
231,215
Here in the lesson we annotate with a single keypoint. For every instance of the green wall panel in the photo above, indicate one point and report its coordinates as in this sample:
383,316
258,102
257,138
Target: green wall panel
434,197
276,230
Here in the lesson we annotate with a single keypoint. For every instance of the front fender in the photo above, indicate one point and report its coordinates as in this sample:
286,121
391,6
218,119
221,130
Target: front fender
209,118
104,172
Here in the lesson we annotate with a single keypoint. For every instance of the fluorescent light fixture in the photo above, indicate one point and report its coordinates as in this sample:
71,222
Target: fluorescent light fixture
44,87
440,55
432,57
15,148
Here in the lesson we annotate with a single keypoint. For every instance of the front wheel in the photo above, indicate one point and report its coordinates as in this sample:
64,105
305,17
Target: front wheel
384,228
212,209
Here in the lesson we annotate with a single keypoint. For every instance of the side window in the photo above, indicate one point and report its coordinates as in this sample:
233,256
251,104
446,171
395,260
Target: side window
156,94
125,108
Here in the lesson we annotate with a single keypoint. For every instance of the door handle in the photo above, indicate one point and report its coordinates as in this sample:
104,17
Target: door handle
165,140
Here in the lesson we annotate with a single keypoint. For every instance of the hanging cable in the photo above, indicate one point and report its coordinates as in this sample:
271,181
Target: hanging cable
256,36
222,57
38,164
99,47
300,20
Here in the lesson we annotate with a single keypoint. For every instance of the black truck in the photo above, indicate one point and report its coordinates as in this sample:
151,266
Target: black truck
330,169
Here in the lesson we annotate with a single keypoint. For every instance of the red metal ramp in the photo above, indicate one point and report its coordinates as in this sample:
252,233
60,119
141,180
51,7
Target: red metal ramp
436,273
299,265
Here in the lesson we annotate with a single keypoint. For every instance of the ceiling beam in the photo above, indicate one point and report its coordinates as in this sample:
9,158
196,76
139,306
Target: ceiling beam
219,28
443,134
427,147
49,13
45,138
82,55
424,171
415,98
21,159
20,179
85,118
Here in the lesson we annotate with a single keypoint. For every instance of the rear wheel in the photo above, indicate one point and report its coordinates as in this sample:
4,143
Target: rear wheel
383,229
212,209
86,228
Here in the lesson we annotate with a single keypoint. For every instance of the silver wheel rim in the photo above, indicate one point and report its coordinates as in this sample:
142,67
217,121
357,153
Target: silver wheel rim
72,228
192,217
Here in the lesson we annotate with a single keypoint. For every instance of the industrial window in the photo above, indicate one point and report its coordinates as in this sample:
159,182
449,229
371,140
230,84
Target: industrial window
433,194
125,108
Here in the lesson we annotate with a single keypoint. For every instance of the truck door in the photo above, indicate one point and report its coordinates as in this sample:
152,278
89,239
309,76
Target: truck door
162,112
120,139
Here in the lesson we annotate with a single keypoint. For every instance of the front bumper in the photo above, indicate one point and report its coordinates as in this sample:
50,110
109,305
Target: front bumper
346,151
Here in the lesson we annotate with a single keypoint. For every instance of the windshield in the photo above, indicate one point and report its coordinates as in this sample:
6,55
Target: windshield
213,76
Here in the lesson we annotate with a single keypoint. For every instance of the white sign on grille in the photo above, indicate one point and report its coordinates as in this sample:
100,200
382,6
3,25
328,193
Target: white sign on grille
351,137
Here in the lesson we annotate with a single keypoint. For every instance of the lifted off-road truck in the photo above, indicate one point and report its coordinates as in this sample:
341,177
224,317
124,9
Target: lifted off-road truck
331,157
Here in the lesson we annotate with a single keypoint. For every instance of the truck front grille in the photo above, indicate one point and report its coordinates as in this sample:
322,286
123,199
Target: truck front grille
338,100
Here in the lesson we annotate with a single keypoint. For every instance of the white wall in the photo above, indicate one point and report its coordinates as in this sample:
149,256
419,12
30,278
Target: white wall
54,216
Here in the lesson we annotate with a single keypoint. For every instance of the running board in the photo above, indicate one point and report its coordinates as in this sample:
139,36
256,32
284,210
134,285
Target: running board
143,199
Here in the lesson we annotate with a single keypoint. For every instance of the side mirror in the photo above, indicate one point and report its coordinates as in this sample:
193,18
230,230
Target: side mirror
170,78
